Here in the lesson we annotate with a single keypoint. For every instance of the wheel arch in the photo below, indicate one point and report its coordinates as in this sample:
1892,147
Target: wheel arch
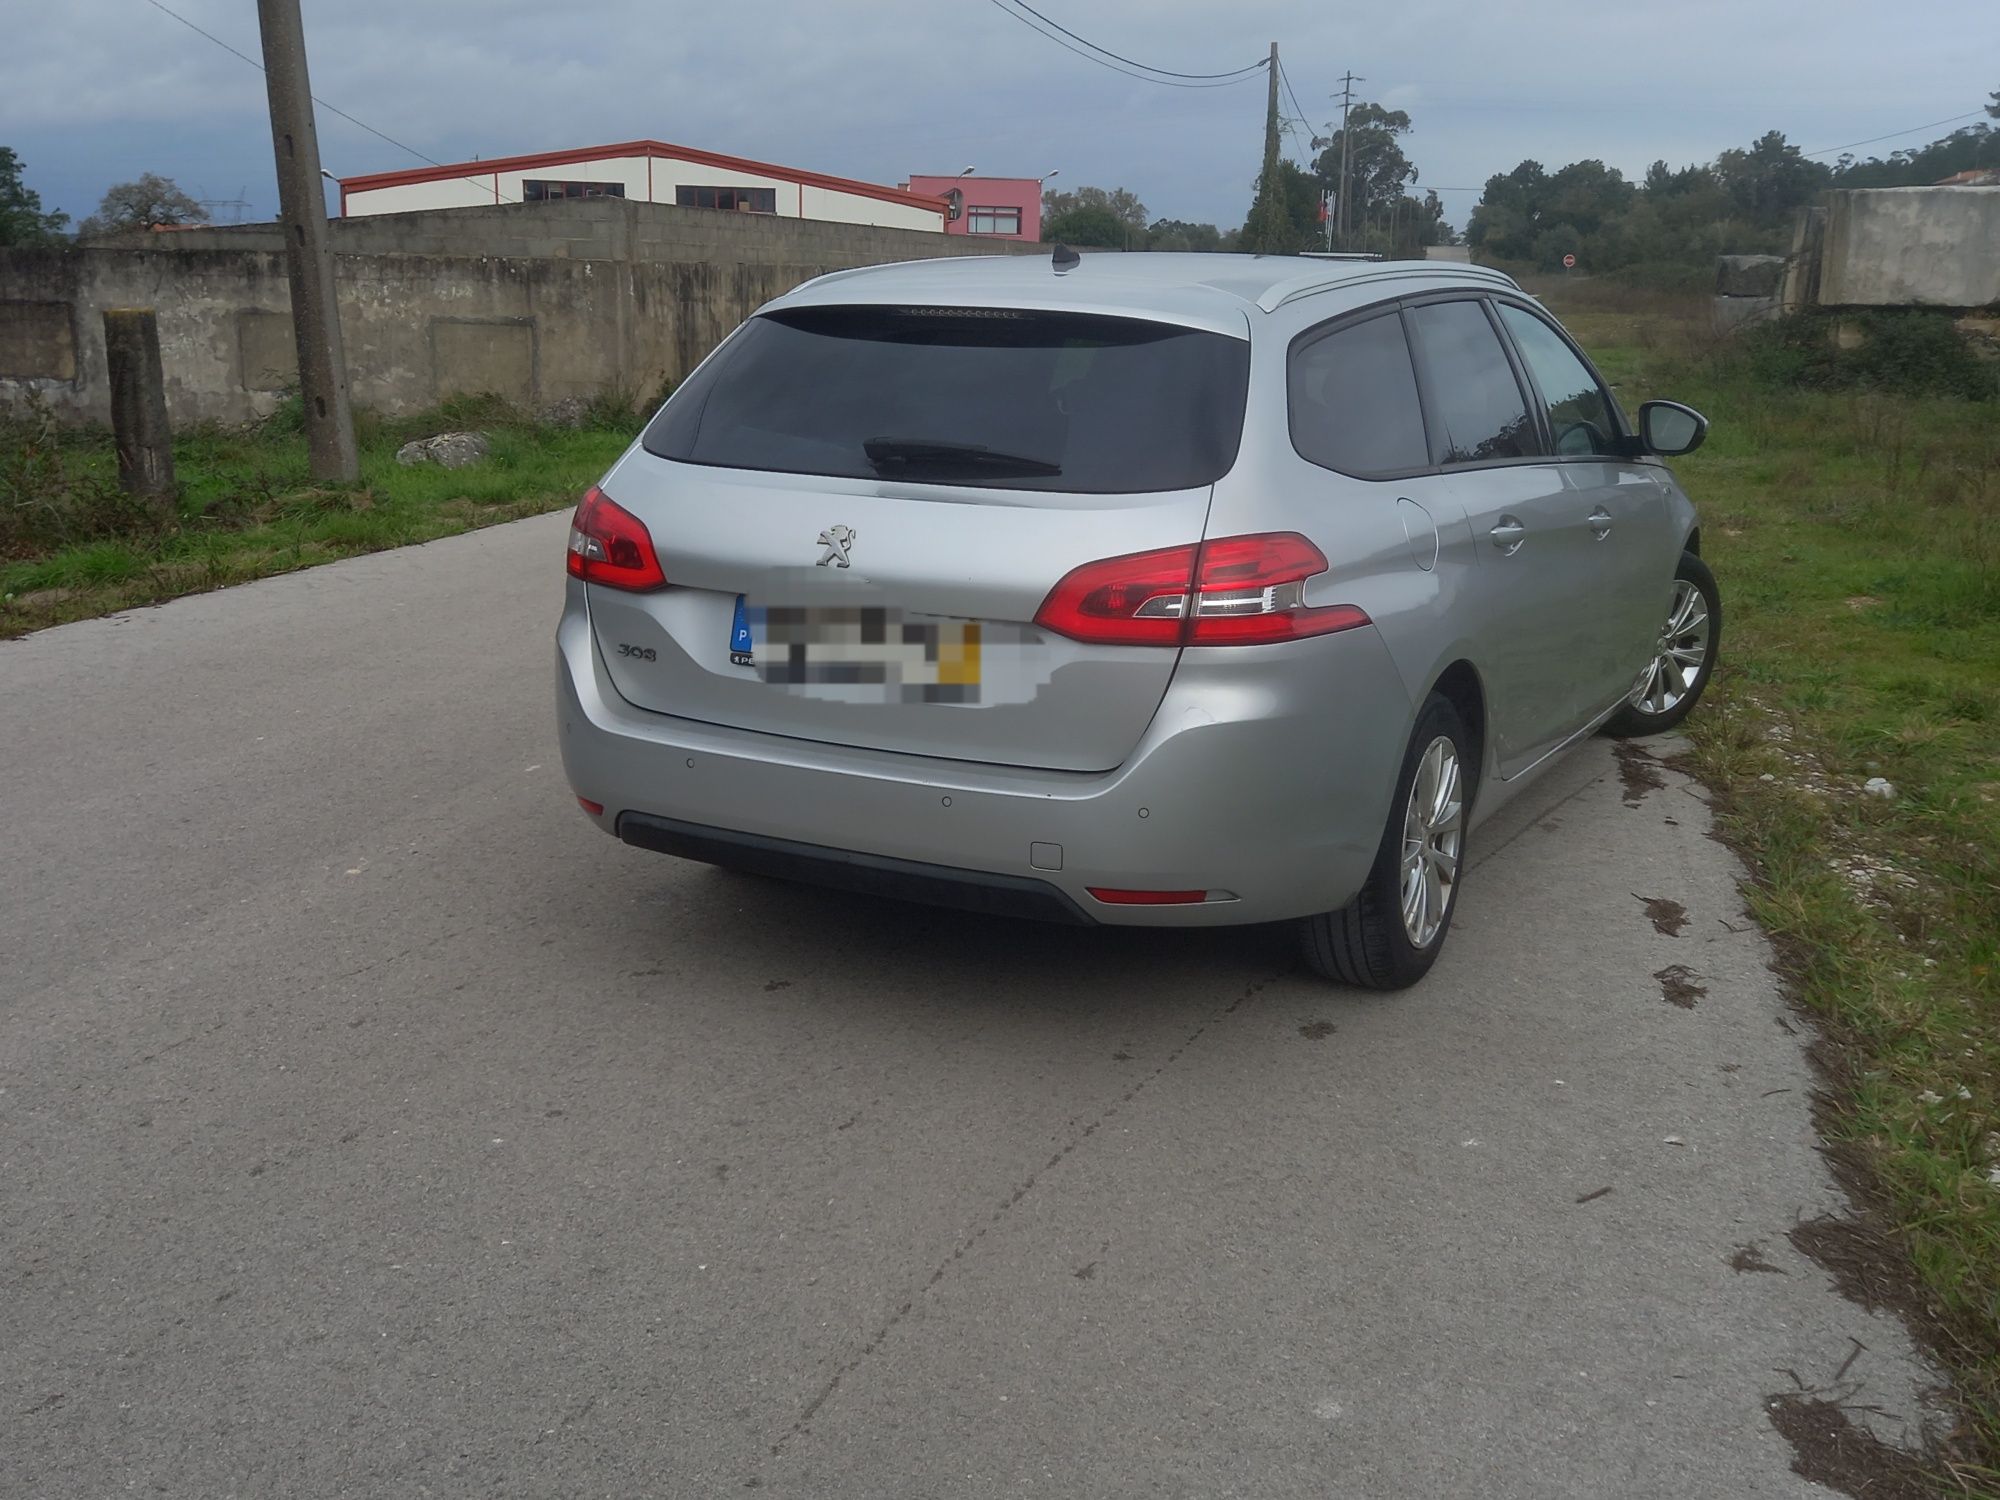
1460,684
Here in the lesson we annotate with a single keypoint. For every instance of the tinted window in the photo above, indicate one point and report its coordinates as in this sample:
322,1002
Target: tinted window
983,396
1354,401
1477,409
1579,414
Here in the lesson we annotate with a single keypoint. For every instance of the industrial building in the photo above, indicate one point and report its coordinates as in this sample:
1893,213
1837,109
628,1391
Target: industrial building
650,172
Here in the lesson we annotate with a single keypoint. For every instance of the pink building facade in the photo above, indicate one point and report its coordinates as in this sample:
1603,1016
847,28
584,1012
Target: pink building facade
999,208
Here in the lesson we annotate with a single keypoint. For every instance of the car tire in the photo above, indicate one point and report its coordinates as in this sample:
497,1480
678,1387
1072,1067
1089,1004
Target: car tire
1370,943
1653,707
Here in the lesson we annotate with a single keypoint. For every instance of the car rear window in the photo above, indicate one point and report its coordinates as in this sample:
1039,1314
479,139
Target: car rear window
1009,398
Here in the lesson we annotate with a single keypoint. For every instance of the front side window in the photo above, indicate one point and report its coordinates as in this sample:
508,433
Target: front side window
1354,403
993,221
1580,414
995,397
749,200
1477,411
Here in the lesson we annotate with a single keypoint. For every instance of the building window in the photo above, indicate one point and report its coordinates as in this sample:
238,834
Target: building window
540,191
749,200
993,221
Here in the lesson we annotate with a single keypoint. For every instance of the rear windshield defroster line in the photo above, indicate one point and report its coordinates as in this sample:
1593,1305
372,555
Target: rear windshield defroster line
1000,398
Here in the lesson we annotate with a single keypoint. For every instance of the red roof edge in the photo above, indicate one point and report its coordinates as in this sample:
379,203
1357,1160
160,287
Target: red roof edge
638,148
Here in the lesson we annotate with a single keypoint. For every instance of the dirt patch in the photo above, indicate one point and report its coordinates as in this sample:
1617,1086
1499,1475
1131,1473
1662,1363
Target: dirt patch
1667,917
1750,1257
1677,986
1866,1264
1638,771
1317,1031
1830,1448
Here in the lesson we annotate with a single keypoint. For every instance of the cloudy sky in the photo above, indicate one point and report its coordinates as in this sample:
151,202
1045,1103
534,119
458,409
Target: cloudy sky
98,91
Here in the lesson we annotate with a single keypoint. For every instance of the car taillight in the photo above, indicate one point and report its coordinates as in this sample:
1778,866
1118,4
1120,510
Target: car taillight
1229,591
610,545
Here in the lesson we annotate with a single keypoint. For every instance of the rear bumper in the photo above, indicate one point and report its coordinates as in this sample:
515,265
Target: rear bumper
849,870
1264,779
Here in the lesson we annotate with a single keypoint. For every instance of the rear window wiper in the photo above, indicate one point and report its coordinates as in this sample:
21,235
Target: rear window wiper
891,455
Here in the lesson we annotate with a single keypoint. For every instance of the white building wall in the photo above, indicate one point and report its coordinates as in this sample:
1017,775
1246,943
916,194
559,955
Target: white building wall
669,174
857,208
451,192
628,171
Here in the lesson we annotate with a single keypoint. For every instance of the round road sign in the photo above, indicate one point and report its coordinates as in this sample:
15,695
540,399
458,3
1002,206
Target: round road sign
1569,262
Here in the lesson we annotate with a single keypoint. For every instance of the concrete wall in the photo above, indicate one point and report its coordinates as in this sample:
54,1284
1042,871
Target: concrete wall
571,299
1908,247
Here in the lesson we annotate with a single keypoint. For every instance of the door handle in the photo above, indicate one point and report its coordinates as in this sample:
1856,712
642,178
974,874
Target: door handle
1509,534
1600,523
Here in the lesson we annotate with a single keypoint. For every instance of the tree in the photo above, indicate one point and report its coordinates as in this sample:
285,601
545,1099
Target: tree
22,221
1174,234
1771,180
1123,206
1295,226
141,204
1092,225
1377,170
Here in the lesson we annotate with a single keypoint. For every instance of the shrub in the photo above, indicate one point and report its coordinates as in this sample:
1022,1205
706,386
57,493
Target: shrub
1904,352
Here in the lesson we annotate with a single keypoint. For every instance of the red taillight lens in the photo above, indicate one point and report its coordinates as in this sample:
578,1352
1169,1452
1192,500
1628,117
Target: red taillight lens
610,545
1134,600
1230,591
1113,897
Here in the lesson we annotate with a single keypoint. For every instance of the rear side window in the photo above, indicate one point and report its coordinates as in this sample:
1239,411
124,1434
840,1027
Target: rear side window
1478,412
1580,416
1354,403
969,396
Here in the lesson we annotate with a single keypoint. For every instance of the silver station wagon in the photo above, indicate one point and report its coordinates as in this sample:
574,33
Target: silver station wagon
1138,589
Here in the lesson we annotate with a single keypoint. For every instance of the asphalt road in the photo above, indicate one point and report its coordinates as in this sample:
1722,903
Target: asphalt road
371,1125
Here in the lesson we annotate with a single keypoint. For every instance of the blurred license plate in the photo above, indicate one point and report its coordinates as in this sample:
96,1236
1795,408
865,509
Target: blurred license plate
861,654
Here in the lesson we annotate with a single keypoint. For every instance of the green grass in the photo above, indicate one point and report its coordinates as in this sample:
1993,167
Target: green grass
1856,536
72,547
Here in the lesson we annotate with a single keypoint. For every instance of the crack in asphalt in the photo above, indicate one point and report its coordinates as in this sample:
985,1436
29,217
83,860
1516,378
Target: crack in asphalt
1000,1212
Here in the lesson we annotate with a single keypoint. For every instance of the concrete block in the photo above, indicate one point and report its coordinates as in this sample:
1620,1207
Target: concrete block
1731,313
1748,275
267,351
1912,247
38,340
473,355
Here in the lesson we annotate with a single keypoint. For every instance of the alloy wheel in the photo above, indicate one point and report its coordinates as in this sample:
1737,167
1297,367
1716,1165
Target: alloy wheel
1433,835
1681,653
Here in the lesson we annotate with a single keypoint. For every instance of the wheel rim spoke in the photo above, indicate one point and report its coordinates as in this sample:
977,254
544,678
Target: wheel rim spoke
1682,654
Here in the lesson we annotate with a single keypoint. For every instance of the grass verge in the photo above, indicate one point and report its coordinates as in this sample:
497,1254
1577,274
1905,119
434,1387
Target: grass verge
72,546
1856,535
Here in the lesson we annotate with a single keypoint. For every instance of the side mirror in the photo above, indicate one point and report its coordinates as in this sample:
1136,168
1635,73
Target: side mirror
1670,429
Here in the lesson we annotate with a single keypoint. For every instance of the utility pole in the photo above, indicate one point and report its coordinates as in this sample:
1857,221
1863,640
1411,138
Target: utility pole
1346,150
302,210
1268,233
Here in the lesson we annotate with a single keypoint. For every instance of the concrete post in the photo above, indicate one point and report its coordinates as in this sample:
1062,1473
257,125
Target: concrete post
302,212
139,404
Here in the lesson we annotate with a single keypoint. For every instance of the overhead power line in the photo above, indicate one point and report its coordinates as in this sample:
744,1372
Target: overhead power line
1285,78
329,108
1935,124
1169,72
1060,38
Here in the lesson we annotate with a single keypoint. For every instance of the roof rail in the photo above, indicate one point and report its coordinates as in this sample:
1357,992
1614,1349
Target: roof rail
1277,295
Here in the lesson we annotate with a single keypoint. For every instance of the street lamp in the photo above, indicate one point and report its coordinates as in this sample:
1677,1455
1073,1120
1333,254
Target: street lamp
1052,172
